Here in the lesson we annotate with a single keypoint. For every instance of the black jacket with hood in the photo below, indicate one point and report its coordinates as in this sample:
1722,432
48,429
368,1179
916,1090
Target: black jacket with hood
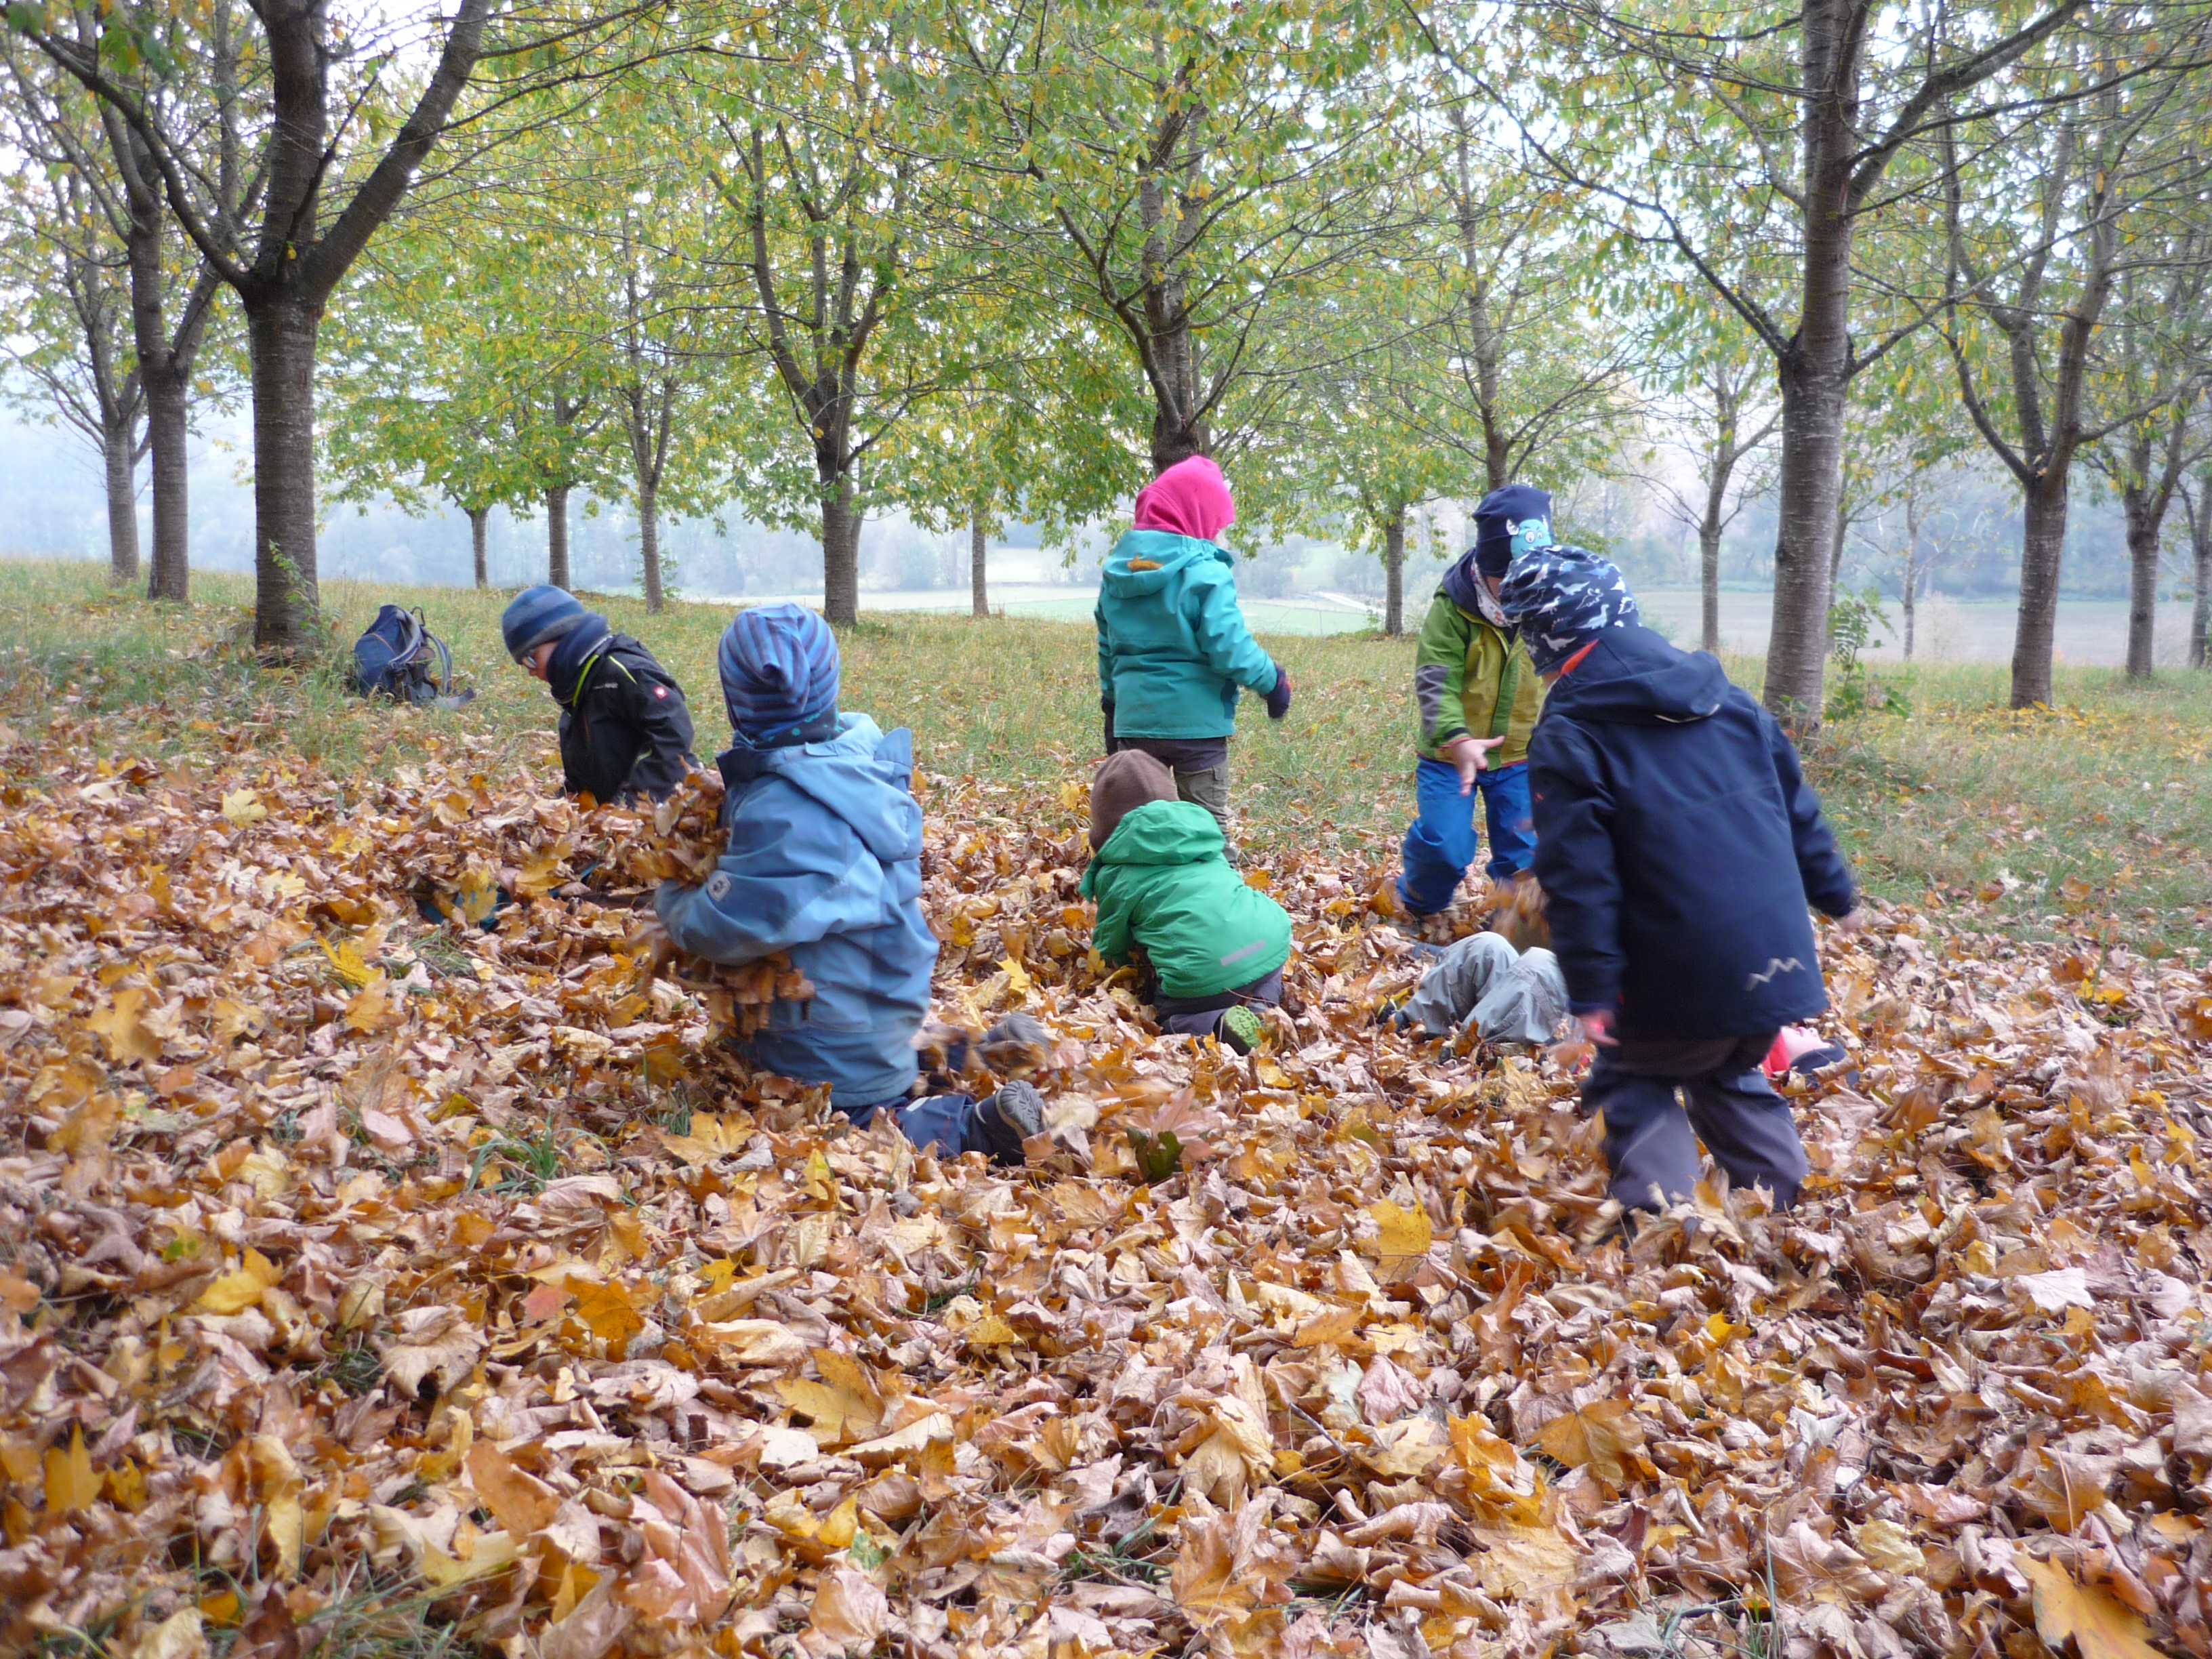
625,731
1678,845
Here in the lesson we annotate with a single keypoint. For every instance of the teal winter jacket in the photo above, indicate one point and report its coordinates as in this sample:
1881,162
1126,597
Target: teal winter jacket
1173,648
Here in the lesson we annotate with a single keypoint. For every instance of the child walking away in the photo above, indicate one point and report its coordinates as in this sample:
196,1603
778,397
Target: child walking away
1478,699
1678,845
1215,947
825,863
1172,645
625,731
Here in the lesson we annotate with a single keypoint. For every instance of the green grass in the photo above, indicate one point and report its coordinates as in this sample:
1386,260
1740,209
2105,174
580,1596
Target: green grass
2050,811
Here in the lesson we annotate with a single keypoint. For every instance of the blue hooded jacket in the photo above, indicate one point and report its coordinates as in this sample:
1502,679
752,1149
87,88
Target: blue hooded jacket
1173,648
1678,844
824,862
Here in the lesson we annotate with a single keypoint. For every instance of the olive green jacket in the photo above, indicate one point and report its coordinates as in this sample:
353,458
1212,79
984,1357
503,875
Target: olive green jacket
1463,671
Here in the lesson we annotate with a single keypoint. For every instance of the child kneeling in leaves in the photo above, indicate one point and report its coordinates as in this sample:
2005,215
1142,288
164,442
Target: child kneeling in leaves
823,862
1162,879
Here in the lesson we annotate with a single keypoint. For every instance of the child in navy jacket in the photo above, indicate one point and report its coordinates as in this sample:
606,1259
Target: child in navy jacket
1678,844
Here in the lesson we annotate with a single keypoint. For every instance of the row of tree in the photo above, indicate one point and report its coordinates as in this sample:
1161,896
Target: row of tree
811,259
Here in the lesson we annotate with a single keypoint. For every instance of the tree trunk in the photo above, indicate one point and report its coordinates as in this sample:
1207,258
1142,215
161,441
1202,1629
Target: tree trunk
1708,571
119,449
556,535
1810,487
2042,541
1910,605
280,335
1909,594
648,544
167,416
2142,578
841,555
478,517
2200,545
165,363
2200,614
978,545
1394,575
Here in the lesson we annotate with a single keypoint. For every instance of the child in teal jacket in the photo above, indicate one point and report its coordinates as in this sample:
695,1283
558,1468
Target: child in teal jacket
1173,648
1215,948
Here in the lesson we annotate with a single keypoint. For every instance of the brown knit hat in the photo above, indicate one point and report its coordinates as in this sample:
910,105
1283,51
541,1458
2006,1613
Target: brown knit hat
1124,779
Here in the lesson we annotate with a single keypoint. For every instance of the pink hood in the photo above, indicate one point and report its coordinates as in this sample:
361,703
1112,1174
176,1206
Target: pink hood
1191,498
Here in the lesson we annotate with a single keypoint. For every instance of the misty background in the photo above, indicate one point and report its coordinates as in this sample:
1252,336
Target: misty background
51,505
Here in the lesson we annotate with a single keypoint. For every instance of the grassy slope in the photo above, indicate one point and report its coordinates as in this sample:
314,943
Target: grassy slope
2100,808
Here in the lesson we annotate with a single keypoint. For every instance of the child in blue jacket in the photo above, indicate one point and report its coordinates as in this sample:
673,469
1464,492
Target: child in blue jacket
1679,847
1173,648
823,862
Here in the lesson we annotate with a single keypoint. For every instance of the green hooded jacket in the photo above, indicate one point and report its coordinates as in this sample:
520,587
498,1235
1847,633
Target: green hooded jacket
1463,671
1172,644
1163,885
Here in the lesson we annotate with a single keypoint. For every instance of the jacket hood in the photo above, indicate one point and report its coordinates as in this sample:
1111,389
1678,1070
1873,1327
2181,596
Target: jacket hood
1459,582
1168,553
860,775
1163,832
1631,677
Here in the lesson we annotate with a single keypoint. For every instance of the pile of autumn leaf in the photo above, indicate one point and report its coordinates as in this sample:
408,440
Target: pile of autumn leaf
359,1269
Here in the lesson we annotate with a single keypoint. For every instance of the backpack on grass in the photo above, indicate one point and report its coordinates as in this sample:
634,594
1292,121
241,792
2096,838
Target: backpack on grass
398,657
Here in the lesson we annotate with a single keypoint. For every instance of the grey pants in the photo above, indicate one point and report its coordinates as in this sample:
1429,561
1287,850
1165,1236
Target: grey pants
1660,1099
1208,788
1483,981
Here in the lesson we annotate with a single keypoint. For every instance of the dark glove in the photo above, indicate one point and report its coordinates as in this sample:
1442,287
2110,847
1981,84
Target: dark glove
1107,709
1279,700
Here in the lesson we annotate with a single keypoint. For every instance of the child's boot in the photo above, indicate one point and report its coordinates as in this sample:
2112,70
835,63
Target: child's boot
1007,1119
1240,1028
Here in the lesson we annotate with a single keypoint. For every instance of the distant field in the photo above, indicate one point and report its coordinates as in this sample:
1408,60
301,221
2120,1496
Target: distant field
2091,633
2101,807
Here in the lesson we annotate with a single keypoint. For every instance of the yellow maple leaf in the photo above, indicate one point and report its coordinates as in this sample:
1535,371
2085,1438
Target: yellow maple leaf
476,896
1017,978
605,1310
235,1292
1402,1235
541,872
372,1007
1602,1436
70,1483
345,959
518,1500
122,1027
2101,1625
243,807
709,1137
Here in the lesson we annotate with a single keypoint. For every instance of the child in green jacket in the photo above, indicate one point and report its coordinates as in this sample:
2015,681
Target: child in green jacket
1478,699
1173,648
1214,946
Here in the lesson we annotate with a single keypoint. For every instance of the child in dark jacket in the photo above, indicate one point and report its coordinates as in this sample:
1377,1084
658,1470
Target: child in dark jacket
1678,844
1172,645
625,731
1215,947
823,863
1478,698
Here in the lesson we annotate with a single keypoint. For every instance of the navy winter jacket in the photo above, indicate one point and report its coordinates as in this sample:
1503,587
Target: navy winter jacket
1678,845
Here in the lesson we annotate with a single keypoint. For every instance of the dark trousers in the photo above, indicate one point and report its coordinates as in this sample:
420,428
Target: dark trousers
1196,1016
1659,1099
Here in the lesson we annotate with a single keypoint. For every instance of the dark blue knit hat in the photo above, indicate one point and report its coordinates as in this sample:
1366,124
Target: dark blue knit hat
537,615
1508,521
1561,597
779,666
